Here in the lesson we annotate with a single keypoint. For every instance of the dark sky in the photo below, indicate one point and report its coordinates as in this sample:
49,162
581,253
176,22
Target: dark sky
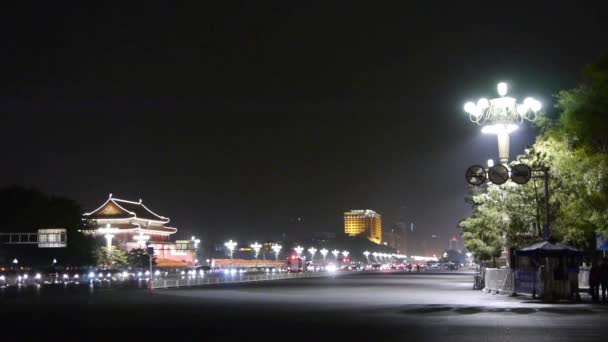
233,121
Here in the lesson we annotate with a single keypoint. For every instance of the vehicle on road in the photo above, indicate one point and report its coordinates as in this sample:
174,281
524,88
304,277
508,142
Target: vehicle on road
295,264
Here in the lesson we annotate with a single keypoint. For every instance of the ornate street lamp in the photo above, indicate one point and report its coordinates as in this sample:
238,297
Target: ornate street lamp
231,245
109,235
502,116
312,252
299,250
196,242
324,252
335,252
345,253
256,248
366,253
141,240
276,248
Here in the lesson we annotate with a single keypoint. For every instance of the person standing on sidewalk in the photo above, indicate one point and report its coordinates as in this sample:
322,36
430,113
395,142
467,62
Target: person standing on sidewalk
604,278
594,281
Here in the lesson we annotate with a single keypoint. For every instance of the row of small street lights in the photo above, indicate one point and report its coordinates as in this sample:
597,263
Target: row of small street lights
276,248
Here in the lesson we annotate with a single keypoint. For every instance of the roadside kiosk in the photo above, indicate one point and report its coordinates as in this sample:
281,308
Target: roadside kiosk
548,270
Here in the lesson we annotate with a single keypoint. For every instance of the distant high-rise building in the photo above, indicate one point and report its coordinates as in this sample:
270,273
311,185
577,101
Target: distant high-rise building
365,223
395,236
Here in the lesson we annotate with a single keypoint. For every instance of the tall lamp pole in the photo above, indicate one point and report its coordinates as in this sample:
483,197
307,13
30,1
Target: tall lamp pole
231,245
324,252
276,248
366,253
256,249
299,250
312,252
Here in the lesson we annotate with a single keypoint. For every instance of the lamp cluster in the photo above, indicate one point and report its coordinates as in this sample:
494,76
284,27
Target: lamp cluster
502,114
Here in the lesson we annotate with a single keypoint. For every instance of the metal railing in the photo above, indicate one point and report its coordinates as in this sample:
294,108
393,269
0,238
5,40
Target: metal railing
229,278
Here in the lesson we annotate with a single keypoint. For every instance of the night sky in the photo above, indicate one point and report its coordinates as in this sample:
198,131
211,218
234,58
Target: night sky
236,121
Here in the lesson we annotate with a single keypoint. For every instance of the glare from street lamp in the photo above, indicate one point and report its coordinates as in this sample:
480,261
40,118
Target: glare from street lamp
483,103
276,248
256,248
502,88
324,252
312,252
345,253
299,250
231,245
335,252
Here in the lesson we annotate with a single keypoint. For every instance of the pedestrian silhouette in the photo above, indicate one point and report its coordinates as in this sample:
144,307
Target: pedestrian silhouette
604,277
594,281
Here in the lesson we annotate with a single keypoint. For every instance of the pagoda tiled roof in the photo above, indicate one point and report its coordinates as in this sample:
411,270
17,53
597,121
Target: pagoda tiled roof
126,209
161,229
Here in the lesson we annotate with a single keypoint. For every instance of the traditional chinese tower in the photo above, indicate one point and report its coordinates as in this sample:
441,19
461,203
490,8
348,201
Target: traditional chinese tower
132,224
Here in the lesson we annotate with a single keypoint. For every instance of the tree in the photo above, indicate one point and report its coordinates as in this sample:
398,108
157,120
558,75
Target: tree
25,210
482,232
584,110
139,258
113,258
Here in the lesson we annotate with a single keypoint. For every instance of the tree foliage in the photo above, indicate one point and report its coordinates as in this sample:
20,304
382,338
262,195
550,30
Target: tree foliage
139,258
25,210
113,258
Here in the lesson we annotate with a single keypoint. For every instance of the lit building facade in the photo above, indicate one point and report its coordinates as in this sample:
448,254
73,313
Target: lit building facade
131,225
364,223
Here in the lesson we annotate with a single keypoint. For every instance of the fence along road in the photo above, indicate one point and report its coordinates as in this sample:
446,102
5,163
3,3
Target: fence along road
229,278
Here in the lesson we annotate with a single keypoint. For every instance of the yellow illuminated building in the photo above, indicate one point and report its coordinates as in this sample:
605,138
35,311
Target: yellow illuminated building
365,223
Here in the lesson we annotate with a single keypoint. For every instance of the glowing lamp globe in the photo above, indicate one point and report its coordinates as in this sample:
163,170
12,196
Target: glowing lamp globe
502,88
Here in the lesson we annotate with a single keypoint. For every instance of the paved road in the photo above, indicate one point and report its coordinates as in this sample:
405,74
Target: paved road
362,307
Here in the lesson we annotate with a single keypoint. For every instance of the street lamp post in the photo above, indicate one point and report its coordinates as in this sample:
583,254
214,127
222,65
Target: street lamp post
231,245
109,235
324,252
276,248
312,252
196,242
366,253
141,240
299,250
256,249
335,252
345,253
502,116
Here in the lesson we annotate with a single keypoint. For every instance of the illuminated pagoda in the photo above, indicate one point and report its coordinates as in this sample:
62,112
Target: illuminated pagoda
131,225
